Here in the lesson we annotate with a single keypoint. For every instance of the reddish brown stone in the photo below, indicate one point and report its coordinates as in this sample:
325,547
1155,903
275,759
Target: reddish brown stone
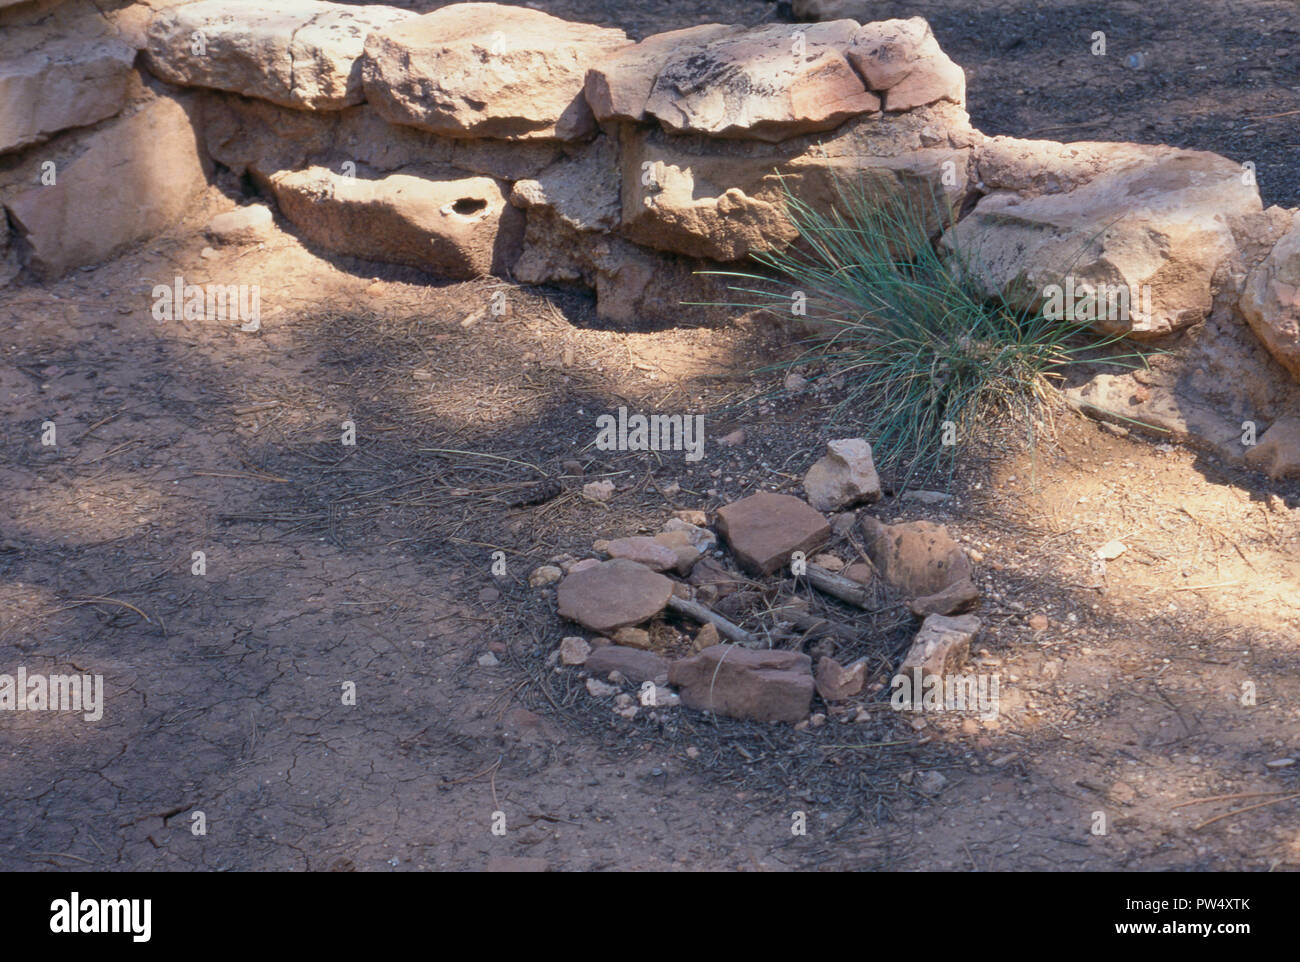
740,683
765,529
835,682
918,557
643,550
613,594
957,597
632,663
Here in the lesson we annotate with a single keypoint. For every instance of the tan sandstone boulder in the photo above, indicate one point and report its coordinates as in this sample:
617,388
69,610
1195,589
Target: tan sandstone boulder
767,83
740,683
456,228
49,86
1271,300
1150,235
618,86
298,53
725,199
133,193
487,70
902,59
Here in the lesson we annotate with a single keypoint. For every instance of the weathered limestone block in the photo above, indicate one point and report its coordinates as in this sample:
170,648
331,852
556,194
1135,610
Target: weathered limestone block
1271,299
297,53
724,199
582,188
53,86
1151,236
109,190
903,59
632,284
618,86
250,135
767,83
487,70
456,228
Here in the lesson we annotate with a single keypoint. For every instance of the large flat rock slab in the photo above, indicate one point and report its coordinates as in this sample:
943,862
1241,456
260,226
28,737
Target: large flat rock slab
487,70
765,529
741,683
768,83
297,53
612,595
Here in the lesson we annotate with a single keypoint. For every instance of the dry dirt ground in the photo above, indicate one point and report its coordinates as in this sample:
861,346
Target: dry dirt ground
370,564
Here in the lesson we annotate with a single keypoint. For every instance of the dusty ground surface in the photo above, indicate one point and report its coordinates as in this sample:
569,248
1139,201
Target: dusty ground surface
328,564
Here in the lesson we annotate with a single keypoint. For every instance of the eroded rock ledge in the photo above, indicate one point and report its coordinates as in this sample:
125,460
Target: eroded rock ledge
483,138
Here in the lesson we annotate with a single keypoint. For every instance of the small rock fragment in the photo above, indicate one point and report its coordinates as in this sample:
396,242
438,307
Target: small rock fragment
829,562
598,491
684,551
929,783
861,572
835,682
574,650
956,598
844,477
244,225
1111,550
773,685
642,550
941,645
545,575
707,637
633,638
633,664
702,538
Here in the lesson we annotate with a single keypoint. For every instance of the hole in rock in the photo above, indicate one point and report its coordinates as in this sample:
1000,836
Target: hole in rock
469,205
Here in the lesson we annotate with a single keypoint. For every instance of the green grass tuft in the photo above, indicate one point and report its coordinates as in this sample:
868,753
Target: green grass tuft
905,327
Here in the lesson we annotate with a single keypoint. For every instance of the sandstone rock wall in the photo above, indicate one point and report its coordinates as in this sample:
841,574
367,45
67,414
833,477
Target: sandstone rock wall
484,138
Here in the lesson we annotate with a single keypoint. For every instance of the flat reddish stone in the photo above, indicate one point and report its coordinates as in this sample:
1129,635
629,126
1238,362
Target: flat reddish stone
766,528
613,594
632,663
741,683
